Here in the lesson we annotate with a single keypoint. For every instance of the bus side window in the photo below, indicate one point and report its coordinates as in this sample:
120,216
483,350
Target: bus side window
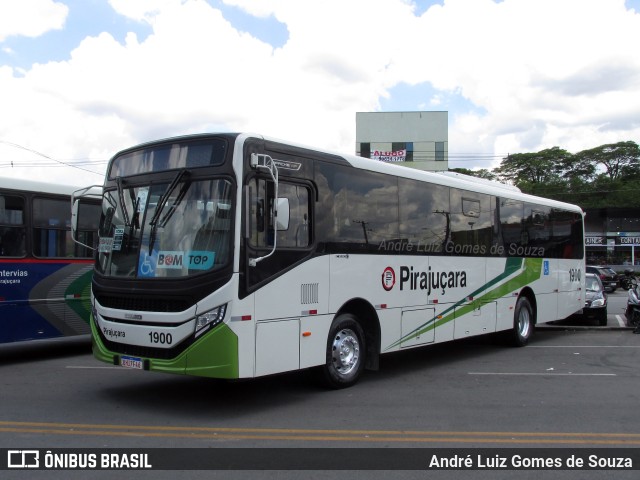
297,232
12,233
51,228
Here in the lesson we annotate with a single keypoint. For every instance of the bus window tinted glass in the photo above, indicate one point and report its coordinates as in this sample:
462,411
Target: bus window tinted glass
170,156
12,232
471,223
51,228
511,226
297,233
567,234
536,240
424,216
361,209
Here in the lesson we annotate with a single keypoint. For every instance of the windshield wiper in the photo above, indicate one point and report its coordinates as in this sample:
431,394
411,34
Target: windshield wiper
125,213
161,204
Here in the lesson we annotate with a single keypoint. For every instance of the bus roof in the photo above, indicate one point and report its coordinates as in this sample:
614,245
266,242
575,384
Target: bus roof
464,182
449,179
27,185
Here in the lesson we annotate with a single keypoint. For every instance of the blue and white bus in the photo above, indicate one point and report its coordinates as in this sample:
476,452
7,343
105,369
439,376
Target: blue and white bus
45,277
236,256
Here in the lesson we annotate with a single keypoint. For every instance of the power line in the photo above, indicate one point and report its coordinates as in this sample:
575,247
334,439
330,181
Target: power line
21,147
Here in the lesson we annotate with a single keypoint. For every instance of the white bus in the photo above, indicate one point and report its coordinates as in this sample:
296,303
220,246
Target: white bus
237,256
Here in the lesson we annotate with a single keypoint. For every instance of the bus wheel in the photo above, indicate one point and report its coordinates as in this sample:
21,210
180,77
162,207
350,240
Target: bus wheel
346,351
523,323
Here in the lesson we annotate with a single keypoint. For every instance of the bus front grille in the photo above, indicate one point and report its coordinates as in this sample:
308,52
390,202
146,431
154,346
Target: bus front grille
143,303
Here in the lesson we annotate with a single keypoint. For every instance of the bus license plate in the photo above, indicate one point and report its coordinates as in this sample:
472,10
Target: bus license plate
131,362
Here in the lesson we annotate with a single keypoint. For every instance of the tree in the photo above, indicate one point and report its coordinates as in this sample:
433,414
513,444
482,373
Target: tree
618,159
481,173
555,173
538,168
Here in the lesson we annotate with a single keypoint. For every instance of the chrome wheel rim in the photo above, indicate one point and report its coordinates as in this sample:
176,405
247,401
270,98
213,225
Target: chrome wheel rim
345,351
524,323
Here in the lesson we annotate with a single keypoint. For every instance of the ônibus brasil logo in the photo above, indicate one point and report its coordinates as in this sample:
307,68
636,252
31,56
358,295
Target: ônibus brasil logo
388,279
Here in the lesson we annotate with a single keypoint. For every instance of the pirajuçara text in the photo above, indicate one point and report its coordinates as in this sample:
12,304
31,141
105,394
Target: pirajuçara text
431,280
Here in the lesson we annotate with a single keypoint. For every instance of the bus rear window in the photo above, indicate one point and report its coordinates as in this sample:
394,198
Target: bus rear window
169,156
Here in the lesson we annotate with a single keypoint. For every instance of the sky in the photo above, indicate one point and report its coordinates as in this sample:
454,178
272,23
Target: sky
82,79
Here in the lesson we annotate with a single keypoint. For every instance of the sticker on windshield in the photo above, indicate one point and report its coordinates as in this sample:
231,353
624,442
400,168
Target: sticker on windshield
200,259
170,259
118,235
143,194
147,264
105,245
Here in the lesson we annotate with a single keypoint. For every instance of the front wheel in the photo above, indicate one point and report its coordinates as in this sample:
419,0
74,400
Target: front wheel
346,351
523,323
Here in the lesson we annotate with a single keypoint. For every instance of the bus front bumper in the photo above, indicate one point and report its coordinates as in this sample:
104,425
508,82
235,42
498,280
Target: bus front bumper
214,355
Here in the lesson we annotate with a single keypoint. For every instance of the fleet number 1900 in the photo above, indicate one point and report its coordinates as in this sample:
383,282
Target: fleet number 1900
160,338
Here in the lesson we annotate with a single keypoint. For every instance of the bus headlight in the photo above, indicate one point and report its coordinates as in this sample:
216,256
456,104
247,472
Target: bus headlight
210,319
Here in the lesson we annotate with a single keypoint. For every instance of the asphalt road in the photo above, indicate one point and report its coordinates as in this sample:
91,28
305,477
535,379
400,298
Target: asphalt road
573,387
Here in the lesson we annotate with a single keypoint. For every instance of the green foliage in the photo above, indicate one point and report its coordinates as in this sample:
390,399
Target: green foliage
605,176
618,159
533,168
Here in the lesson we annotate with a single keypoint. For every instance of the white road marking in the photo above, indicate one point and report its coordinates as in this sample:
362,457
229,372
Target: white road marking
545,374
583,346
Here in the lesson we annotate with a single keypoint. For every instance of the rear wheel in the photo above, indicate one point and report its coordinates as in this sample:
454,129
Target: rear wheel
346,351
523,323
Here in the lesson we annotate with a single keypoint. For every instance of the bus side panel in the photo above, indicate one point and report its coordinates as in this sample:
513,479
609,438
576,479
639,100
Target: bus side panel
546,291
293,319
41,300
69,287
505,312
571,285
297,292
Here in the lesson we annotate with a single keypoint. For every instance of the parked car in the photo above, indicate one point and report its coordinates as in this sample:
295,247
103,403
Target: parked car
595,305
607,275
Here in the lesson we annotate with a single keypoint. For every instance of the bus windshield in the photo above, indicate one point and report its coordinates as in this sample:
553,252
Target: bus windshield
161,230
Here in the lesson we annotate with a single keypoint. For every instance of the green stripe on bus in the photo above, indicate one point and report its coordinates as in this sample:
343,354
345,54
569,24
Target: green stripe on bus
531,270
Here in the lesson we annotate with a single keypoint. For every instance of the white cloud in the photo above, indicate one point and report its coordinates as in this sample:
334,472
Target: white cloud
30,18
542,72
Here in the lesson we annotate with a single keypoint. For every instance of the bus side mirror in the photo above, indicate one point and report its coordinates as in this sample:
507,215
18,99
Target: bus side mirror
282,219
91,192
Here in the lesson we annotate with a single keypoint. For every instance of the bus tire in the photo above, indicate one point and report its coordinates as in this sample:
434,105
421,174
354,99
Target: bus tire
523,323
346,352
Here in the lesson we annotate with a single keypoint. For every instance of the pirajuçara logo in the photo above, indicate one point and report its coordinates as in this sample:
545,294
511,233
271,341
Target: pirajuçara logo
388,278
429,280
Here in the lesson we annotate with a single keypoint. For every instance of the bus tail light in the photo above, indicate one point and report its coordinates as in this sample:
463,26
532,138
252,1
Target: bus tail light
210,319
